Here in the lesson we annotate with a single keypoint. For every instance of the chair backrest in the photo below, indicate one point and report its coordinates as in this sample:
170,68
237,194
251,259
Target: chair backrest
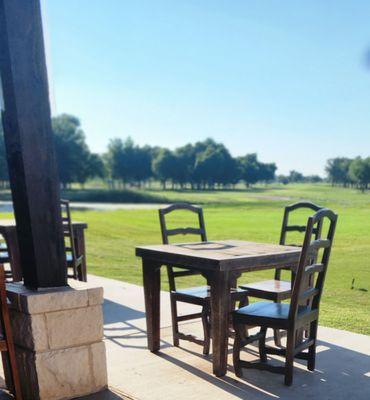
167,233
285,228
313,263
69,241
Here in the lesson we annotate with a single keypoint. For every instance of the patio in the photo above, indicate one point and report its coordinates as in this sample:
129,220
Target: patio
343,364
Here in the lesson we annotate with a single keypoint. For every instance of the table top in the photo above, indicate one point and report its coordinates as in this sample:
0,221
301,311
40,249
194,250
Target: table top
222,255
10,223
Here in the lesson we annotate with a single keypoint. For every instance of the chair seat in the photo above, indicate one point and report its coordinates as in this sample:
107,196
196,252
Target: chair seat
274,290
69,259
204,292
266,313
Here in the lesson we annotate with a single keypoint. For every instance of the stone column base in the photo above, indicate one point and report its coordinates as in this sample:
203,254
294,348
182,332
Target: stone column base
58,336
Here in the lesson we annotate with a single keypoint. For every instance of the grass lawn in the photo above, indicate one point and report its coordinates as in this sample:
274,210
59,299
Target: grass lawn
251,215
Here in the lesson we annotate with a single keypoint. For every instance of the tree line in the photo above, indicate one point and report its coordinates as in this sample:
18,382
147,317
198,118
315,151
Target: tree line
349,172
203,165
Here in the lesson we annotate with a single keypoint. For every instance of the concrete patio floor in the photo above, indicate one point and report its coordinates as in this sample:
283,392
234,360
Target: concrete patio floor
343,361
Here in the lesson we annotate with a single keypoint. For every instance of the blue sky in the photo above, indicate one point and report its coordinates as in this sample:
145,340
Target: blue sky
285,79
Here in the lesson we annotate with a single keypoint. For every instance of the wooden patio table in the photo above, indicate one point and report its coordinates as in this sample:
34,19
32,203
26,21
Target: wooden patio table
221,262
9,232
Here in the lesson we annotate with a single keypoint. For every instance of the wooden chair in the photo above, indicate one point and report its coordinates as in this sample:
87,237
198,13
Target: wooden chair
199,295
73,260
303,309
276,289
5,259
6,343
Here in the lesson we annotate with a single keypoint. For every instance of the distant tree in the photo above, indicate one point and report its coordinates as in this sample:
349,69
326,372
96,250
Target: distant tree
267,172
96,166
143,164
295,177
359,172
313,179
115,159
215,166
283,179
249,169
185,163
337,170
253,171
163,166
72,151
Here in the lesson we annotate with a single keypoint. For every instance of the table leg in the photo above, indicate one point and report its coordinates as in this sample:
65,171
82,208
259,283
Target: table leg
220,309
152,288
79,238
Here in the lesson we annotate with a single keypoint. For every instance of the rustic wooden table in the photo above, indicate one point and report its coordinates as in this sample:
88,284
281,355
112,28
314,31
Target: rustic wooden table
222,262
9,232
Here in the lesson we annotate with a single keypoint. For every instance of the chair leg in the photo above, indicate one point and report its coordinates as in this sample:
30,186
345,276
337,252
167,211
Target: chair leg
277,337
262,345
206,329
16,390
312,349
175,324
289,357
243,303
236,350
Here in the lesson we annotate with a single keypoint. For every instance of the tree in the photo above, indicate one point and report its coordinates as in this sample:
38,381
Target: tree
185,163
72,152
115,159
295,177
283,179
267,172
253,171
338,170
359,172
163,165
313,179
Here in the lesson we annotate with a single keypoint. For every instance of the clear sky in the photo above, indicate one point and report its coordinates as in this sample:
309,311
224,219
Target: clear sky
285,79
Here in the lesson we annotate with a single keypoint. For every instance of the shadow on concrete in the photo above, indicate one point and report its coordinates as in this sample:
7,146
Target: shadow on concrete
109,394
116,312
122,329
340,374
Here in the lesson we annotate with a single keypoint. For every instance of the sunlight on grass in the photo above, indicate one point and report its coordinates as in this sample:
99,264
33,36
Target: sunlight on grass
113,235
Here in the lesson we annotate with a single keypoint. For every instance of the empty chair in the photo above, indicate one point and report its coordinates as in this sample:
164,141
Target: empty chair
199,295
73,260
5,259
6,343
303,309
276,289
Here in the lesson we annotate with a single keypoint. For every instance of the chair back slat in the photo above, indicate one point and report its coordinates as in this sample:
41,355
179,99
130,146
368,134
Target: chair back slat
285,228
184,231
309,265
166,233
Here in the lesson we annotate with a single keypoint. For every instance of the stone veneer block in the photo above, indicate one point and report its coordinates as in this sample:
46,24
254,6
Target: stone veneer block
29,331
74,327
58,335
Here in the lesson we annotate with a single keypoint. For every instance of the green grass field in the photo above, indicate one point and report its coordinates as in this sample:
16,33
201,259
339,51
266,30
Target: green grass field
252,215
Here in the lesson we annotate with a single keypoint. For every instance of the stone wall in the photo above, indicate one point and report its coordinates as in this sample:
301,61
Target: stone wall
58,335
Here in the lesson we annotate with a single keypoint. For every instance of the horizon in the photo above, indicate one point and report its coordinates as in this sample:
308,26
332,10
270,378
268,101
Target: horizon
193,77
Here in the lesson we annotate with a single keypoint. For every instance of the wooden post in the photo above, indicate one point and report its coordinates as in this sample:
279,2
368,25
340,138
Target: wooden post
29,144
